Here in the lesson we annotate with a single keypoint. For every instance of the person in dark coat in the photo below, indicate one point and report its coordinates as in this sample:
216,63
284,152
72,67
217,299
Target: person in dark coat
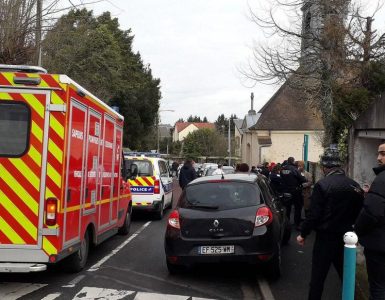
334,206
292,181
276,180
265,169
370,228
187,173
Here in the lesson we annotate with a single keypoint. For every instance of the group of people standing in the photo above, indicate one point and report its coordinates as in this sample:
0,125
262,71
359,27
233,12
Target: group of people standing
291,177
335,205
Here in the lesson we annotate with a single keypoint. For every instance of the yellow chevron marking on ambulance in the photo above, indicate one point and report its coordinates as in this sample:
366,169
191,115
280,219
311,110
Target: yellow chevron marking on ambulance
9,77
18,215
5,96
37,132
35,155
55,125
48,247
56,78
54,175
27,172
18,188
56,99
10,233
55,150
34,103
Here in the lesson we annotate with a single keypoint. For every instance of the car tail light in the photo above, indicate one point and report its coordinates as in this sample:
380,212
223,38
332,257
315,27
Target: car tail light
264,216
156,186
173,220
50,211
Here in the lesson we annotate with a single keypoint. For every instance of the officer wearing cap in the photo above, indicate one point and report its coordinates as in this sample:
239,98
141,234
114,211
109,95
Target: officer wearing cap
334,206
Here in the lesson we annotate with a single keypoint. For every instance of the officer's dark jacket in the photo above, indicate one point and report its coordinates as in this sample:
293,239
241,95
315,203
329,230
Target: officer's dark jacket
291,178
187,173
334,205
370,224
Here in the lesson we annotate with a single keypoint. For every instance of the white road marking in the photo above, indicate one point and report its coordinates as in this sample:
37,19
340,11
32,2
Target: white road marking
265,289
15,290
96,266
74,282
152,296
91,293
51,296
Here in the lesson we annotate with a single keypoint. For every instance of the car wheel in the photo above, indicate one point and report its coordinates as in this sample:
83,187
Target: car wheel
159,213
77,261
273,269
286,234
125,229
174,269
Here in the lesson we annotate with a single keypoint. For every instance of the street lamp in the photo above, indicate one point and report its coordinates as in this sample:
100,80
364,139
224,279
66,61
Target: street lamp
157,126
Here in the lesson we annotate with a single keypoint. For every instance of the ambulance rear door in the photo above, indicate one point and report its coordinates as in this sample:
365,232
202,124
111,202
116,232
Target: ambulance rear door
24,122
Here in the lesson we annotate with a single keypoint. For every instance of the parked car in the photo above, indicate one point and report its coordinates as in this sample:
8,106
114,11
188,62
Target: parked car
238,218
225,169
207,166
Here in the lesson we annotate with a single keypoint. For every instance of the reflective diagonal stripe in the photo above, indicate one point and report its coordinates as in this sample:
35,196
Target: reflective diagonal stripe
142,182
17,187
37,131
55,98
35,155
55,150
48,247
54,175
18,215
34,103
5,96
10,233
27,173
55,125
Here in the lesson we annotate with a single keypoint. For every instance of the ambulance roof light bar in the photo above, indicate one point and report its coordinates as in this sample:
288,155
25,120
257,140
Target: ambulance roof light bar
22,68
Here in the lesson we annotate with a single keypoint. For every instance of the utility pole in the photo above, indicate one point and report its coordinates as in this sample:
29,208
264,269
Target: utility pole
229,143
38,31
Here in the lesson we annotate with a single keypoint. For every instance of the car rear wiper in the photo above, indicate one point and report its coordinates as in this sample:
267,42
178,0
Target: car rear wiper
199,205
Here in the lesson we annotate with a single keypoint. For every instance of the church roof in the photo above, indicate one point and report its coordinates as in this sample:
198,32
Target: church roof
285,111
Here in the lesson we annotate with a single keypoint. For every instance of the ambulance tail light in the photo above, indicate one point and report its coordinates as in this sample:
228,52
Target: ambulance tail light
51,211
156,186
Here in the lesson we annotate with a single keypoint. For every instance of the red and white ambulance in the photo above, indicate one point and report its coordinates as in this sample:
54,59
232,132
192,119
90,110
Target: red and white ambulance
61,182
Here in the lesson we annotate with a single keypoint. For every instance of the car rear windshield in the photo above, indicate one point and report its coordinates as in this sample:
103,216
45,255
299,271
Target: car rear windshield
221,195
144,166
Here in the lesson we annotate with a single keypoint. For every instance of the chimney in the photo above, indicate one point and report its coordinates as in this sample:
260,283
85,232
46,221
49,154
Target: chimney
252,111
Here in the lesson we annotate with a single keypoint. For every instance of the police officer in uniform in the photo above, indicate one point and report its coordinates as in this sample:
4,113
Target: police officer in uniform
334,206
292,183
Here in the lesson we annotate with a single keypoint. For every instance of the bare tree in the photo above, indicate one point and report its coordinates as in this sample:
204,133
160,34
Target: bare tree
20,29
315,44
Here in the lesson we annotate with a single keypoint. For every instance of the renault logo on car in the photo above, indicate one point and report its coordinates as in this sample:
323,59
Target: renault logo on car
216,223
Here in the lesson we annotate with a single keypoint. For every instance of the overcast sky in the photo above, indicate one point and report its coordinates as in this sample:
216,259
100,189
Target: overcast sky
195,47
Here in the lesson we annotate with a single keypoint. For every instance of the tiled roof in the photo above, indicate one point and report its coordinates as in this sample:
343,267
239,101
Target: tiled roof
285,111
179,126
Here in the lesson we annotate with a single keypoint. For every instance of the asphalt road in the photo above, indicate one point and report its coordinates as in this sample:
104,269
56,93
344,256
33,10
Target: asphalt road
134,267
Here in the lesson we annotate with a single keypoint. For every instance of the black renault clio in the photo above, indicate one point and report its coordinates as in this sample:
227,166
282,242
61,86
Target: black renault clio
234,217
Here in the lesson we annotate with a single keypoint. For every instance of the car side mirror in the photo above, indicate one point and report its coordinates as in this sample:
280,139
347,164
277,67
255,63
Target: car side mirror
133,171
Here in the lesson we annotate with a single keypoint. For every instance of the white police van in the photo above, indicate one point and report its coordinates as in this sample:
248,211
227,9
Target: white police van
151,182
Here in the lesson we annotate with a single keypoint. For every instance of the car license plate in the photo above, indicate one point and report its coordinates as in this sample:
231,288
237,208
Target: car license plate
216,249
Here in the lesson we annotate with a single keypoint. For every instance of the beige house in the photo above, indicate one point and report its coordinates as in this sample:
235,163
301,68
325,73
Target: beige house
182,129
278,130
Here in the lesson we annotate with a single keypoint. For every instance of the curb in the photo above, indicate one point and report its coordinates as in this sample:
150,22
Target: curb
265,290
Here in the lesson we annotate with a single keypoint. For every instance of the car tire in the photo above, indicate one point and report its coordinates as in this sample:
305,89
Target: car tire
125,229
159,213
174,269
77,261
273,268
286,234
